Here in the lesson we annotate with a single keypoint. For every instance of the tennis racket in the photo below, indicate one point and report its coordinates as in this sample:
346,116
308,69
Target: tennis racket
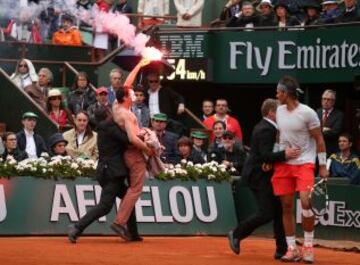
319,198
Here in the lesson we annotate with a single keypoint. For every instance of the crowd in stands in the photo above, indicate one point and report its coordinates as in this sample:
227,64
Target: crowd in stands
158,108
61,25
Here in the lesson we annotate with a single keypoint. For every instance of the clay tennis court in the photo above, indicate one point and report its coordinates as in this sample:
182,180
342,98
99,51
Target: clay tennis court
152,251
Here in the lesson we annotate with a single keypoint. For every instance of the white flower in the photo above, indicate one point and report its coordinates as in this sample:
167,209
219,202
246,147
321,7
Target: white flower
190,164
171,166
177,166
44,154
183,161
232,169
198,165
44,170
211,176
74,166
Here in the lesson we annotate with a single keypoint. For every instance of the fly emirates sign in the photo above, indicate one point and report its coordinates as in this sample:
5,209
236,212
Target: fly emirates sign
287,55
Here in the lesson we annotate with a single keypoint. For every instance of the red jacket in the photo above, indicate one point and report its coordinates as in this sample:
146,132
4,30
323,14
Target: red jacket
232,125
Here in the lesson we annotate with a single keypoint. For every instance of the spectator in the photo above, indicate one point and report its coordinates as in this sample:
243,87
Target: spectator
247,18
140,109
102,101
230,155
221,110
231,8
49,23
45,80
56,109
115,84
11,148
2,148
331,12
86,4
101,38
185,147
163,100
218,128
312,13
29,141
67,34
152,8
345,163
351,12
166,138
24,74
82,141
267,18
189,12
57,145
82,95
331,120
199,139
283,17
207,109
123,7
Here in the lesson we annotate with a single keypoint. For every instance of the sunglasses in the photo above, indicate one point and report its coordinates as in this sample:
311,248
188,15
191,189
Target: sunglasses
23,65
55,98
227,138
153,81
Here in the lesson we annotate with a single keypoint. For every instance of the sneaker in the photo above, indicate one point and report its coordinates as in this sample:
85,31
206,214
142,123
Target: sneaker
292,255
234,243
73,233
121,230
308,254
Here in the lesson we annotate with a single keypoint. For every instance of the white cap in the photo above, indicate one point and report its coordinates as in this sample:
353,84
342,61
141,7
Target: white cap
265,2
326,2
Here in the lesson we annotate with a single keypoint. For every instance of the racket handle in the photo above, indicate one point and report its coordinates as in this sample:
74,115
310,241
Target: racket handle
328,164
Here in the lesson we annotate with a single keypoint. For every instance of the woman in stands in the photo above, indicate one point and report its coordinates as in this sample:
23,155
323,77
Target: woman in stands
82,141
185,146
219,128
25,74
82,95
284,19
11,149
56,109
57,145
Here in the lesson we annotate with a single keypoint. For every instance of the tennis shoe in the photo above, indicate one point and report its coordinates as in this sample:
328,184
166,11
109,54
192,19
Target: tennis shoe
308,254
292,255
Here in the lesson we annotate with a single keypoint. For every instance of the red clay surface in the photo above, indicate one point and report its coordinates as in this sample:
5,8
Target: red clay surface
152,251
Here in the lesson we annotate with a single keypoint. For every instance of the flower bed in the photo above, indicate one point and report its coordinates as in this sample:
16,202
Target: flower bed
66,167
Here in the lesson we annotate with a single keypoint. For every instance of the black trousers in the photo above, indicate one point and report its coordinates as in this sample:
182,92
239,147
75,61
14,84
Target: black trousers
110,190
269,208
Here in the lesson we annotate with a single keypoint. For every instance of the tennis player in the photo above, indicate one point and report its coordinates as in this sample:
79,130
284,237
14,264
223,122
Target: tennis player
299,127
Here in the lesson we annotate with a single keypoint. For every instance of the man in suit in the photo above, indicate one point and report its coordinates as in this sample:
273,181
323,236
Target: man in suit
163,100
115,84
110,173
331,121
29,141
256,174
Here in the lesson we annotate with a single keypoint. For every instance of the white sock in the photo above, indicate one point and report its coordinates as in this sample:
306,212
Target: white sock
290,240
308,238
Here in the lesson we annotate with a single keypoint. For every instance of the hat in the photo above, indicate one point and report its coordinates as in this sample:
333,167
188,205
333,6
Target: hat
160,117
54,93
329,2
56,138
313,5
229,134
265,2
199,135
282,4
29,114
101,90
67,17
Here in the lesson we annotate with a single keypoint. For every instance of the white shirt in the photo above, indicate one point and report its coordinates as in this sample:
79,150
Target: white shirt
30,148
294,127
80,138
153,7
154,102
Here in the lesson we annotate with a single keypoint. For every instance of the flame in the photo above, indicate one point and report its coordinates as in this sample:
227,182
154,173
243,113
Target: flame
152,54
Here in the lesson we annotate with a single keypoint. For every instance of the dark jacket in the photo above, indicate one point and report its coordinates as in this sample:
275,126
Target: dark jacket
268,21
263,139
290,21
112,143
335,122
169,101
124,8
170,154
17,154
91,112
242,21
350,168
329,17
229,12
236,157
39,142
81,99
351,16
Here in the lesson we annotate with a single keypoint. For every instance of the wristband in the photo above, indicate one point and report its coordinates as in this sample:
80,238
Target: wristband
322,158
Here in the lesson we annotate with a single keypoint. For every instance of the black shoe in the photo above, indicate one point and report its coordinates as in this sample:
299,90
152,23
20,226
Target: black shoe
234,243
278,254
136,238
73,233
122,231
